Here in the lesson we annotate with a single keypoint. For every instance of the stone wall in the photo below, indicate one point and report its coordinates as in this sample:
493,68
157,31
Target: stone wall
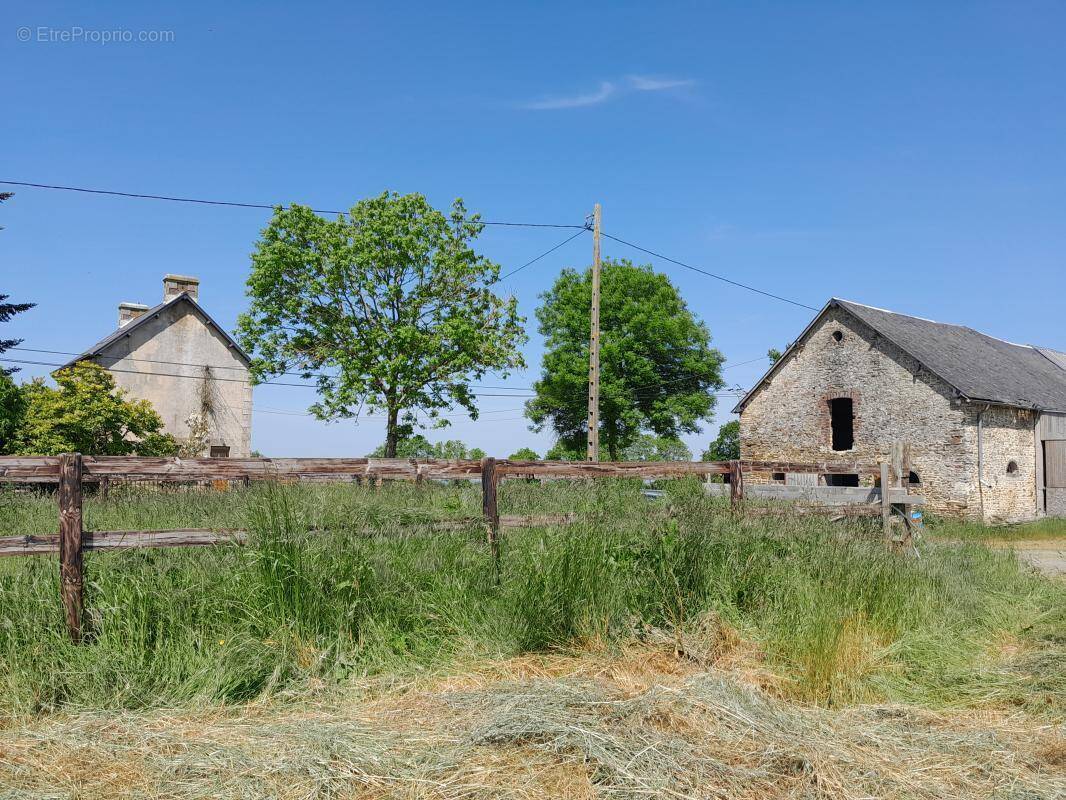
181,335
894,399
1006,495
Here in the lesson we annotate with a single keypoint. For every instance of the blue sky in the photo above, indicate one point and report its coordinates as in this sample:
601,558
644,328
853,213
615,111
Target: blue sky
906,155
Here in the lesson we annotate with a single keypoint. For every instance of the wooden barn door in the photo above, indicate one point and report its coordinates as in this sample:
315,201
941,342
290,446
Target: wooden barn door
1055,477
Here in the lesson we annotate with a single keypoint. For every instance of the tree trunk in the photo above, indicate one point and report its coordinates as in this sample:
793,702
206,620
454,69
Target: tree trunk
391,433
612,439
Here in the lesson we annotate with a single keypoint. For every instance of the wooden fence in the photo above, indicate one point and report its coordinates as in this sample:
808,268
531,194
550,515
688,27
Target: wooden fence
72,471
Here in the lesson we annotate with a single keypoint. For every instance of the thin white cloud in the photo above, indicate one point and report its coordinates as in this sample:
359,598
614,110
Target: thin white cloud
646,83
601,95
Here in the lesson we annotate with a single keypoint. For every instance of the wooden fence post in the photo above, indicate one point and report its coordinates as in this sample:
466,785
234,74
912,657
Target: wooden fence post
489,482
886,506
71,581
901,462
736,485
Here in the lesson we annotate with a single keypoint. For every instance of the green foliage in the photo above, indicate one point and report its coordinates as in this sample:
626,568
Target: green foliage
657,448
12,412
85,413
524,454
727,446
563,451
340,581
418,446
658,371
390,308
7,311
774,355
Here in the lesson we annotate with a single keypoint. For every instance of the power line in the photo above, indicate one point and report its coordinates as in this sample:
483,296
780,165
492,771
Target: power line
200,377
235,204
158,374
545,253
270,206
710,274
293,412
212,366
299,374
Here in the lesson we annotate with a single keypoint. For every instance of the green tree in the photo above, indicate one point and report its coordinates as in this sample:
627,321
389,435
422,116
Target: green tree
774,355
524,454
85,413
7,311
561,451
389,308
647,447
658,370
418,446
727,446
12,413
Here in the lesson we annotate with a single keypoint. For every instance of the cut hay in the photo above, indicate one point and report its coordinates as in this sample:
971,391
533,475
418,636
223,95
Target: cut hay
565,731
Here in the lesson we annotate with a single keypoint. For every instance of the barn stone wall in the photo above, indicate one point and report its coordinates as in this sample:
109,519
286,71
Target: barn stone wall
894,399
1007,494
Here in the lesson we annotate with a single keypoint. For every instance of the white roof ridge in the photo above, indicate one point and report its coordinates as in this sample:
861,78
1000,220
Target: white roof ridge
938,322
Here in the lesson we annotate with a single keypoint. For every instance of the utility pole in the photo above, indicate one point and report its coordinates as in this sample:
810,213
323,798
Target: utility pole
594,343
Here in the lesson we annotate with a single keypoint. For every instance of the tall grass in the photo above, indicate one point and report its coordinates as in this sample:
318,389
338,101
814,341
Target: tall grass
340,581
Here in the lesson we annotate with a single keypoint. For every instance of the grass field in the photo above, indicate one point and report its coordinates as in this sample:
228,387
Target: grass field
597,658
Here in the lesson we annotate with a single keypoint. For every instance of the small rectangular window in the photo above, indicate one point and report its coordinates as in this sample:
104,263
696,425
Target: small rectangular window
219,451
842,422
841,480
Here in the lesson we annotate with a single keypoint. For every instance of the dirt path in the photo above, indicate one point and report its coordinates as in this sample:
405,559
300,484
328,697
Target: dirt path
1048,556
1045,555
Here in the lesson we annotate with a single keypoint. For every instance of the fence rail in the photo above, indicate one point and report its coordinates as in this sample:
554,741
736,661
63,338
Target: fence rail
72,470
45,469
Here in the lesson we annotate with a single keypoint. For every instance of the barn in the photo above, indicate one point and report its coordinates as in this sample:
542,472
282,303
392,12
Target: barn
985,419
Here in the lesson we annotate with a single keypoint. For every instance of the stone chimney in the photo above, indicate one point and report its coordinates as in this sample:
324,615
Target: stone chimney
127,312
173,285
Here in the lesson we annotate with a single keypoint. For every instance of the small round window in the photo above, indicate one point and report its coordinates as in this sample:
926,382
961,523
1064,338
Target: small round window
1012,467
838,336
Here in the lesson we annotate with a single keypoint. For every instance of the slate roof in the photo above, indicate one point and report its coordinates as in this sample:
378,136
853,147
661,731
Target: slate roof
1054,356
98,348
978,366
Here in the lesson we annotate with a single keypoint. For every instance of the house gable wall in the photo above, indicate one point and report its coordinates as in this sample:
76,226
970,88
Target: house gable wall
179,333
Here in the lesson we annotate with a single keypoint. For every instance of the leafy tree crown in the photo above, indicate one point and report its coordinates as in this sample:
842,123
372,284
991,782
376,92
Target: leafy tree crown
658,371
389,308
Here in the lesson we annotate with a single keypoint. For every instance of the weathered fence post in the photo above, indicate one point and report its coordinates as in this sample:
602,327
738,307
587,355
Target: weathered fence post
489,482
71,581
901,461
886,506
736,485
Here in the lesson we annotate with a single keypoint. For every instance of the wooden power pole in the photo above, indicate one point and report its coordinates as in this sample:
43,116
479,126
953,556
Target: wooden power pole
594,343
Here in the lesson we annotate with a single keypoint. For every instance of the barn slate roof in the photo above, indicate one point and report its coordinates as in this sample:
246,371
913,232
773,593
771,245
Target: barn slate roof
98,348
979,367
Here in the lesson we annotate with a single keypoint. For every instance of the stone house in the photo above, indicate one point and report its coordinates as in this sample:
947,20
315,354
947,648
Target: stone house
985,419
185,364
